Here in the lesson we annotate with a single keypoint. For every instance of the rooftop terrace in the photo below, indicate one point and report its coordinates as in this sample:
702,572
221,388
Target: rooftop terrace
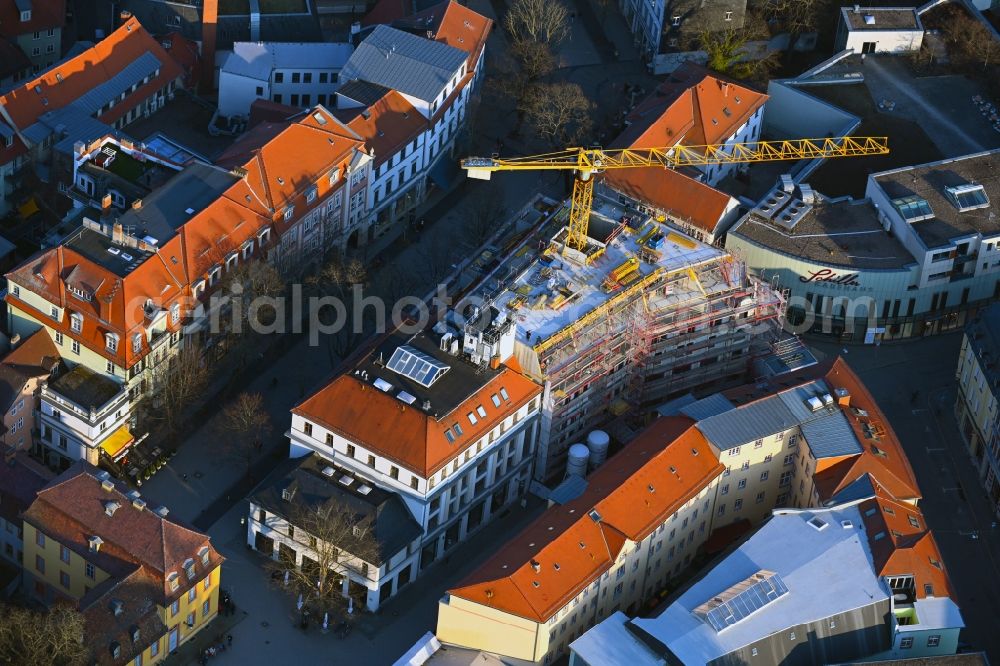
547,292
99,248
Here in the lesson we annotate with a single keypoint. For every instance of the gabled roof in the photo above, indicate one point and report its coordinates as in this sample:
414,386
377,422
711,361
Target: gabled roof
412,65
456,25
73,507
571,545
902,545
35,357
90,80
674,193
388,124
406,433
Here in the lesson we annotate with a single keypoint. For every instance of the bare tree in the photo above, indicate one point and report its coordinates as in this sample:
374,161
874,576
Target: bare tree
176,383
535,59
52,637
558,112
545,21
338,541
250,286
970,40
798,16
485,211
337,278
247,423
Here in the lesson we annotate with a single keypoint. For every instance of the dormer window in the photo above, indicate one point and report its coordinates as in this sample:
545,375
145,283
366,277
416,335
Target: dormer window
264,235
334,176
25,16
134,633
76,322
203,553
111,340
116,650
214,275
175,313
231,260
247,249
94,543
289,212
311,195
189,568
137,343
173,581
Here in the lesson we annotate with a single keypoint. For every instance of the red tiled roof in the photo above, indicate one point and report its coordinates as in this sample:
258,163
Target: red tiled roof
37,351
456,25
44,14
901,543
883,458
72,508
185,53
405,433
264,110
388,125
138,594
61,85
673,192
116,306
567,548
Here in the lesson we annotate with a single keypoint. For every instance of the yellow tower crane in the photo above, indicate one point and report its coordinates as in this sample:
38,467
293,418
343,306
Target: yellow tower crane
587,162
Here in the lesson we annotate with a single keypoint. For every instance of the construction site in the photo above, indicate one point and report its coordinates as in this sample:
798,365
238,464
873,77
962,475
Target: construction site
638,314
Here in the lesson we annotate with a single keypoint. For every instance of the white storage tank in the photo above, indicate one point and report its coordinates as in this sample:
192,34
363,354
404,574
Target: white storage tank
598,442
576,462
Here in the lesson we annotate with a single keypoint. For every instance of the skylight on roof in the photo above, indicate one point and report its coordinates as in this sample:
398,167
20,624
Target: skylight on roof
913,208
741,600
869,19
968,197
416,365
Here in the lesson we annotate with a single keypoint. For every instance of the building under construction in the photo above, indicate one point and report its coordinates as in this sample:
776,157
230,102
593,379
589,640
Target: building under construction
643,313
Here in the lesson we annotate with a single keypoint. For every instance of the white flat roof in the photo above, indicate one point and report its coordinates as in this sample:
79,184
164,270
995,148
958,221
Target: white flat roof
258,59
934,613
827,571
610,642
677,252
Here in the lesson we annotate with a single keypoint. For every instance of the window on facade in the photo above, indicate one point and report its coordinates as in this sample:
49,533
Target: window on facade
296,77
76,322
64,553
39,564
735,451
371,460
763,476
906,643
89,571
933,641
414,482
137,343
39,539
760,497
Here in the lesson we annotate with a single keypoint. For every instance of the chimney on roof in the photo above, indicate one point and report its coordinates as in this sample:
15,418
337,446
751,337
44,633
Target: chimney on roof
162,511
125,16
536,565
209,20
843,397
137,204
117,233
15,340
857,9
106,203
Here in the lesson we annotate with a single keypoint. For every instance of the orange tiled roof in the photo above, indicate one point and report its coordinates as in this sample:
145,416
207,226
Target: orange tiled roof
883,458
671,191
117,305
566,549
38,351
405,433
709,108
67,82
391,123
456,25
901,543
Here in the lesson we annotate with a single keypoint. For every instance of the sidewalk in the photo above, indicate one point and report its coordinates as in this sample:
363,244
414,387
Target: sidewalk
267,633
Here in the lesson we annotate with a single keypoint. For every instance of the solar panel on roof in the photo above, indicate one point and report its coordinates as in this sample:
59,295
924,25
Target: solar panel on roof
416,365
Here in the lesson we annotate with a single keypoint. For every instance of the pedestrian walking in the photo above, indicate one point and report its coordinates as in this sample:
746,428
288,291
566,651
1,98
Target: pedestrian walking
229,639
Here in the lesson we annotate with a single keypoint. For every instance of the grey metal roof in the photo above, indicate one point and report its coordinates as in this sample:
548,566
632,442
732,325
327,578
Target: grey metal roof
567,491
76,122
410,64
830,436
795,399
861,488
713,405
165,209
747,423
